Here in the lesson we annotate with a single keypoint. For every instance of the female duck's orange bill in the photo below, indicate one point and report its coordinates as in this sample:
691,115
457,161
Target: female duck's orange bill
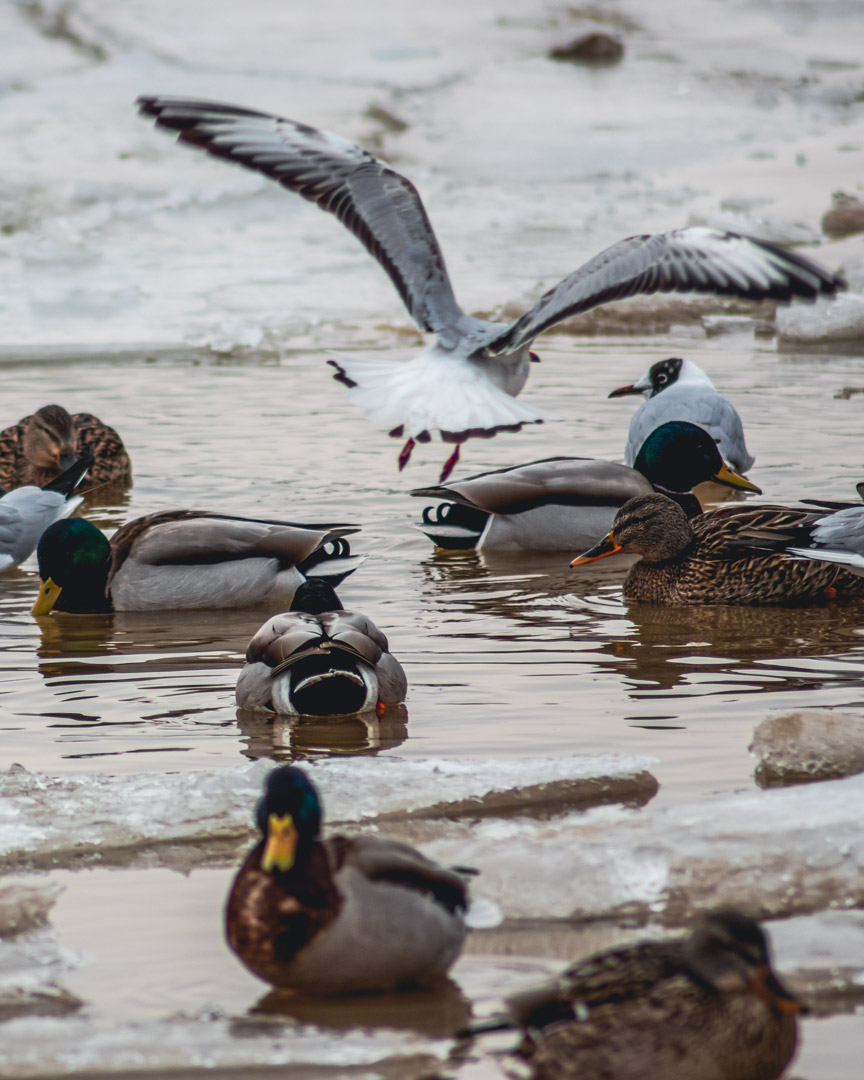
601,550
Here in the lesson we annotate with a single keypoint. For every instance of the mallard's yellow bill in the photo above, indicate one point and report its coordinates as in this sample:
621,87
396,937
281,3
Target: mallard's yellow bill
730,478
280,847
47,598
604,547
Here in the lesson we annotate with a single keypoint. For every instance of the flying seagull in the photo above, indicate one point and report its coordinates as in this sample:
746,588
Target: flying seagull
465,384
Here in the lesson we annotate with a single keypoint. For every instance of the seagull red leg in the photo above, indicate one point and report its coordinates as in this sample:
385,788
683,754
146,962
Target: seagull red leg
450,464
405,454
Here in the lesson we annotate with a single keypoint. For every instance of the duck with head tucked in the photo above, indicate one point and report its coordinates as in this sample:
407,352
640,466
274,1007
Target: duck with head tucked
183,559
732,555
342,915
319,660
560,503
38,448
704,1007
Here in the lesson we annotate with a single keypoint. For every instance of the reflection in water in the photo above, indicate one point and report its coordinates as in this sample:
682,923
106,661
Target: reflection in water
438,1010
284,739
696,650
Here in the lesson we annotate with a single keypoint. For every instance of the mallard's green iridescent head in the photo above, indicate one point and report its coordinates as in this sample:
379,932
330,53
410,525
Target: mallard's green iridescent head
678,455
289,816
74,560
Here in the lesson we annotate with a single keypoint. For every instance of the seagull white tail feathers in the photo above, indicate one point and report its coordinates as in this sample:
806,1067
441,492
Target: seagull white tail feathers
430,392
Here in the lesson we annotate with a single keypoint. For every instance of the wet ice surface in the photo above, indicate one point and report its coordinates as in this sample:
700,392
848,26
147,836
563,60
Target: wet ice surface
53,821
731,112
814,744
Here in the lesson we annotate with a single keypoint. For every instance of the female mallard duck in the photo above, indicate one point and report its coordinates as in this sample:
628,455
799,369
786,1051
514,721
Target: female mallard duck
466,384
677,389
704,1007
545,505
319,660
342,915
184,559
27,512
719,557
39,447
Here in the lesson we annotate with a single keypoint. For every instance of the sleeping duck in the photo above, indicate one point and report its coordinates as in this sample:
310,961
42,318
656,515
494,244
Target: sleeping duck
546,505
39,447
732,555
343,915
28,511
703,1007
319,660
185,559
677,389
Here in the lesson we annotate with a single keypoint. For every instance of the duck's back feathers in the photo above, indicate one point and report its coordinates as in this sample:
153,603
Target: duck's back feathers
196,559
36,449
335,662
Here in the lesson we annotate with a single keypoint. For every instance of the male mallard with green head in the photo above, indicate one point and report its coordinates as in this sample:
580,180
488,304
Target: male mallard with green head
342,915
560,503
704,1007
40,447
181,559
722,557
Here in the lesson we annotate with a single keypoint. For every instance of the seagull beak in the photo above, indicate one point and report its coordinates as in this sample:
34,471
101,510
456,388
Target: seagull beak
280,847
601,550
631,388
732,479
765,985
47,598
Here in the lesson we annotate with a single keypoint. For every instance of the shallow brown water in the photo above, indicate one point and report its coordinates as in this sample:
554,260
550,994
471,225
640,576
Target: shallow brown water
505,655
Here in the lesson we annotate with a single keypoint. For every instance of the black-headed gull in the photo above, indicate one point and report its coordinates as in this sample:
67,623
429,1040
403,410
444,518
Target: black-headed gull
466,383
27,512
677,389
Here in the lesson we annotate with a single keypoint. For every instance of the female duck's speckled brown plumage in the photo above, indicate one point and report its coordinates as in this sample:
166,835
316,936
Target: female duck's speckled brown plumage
342,915
734,555
39,447
705,1007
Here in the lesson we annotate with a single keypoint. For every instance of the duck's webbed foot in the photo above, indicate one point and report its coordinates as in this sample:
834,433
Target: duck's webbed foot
450,464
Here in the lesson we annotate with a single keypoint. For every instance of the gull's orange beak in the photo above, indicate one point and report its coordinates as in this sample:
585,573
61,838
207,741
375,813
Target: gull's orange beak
601,550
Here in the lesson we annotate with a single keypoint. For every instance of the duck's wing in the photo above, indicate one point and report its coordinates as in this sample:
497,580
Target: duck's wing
12,454
560,481
177,537
388,860
734,530
111,462
378,205
695,259
836,538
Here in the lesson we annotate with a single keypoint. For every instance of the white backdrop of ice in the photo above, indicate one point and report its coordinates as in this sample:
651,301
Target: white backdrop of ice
786,850
41,814
111,233
841,319
36,1046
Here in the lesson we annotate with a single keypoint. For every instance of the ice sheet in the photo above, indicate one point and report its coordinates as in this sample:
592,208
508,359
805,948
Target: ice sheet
51,821
782,851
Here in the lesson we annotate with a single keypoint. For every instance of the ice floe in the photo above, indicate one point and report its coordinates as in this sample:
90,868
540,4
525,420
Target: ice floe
48,821
808,744
841,319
